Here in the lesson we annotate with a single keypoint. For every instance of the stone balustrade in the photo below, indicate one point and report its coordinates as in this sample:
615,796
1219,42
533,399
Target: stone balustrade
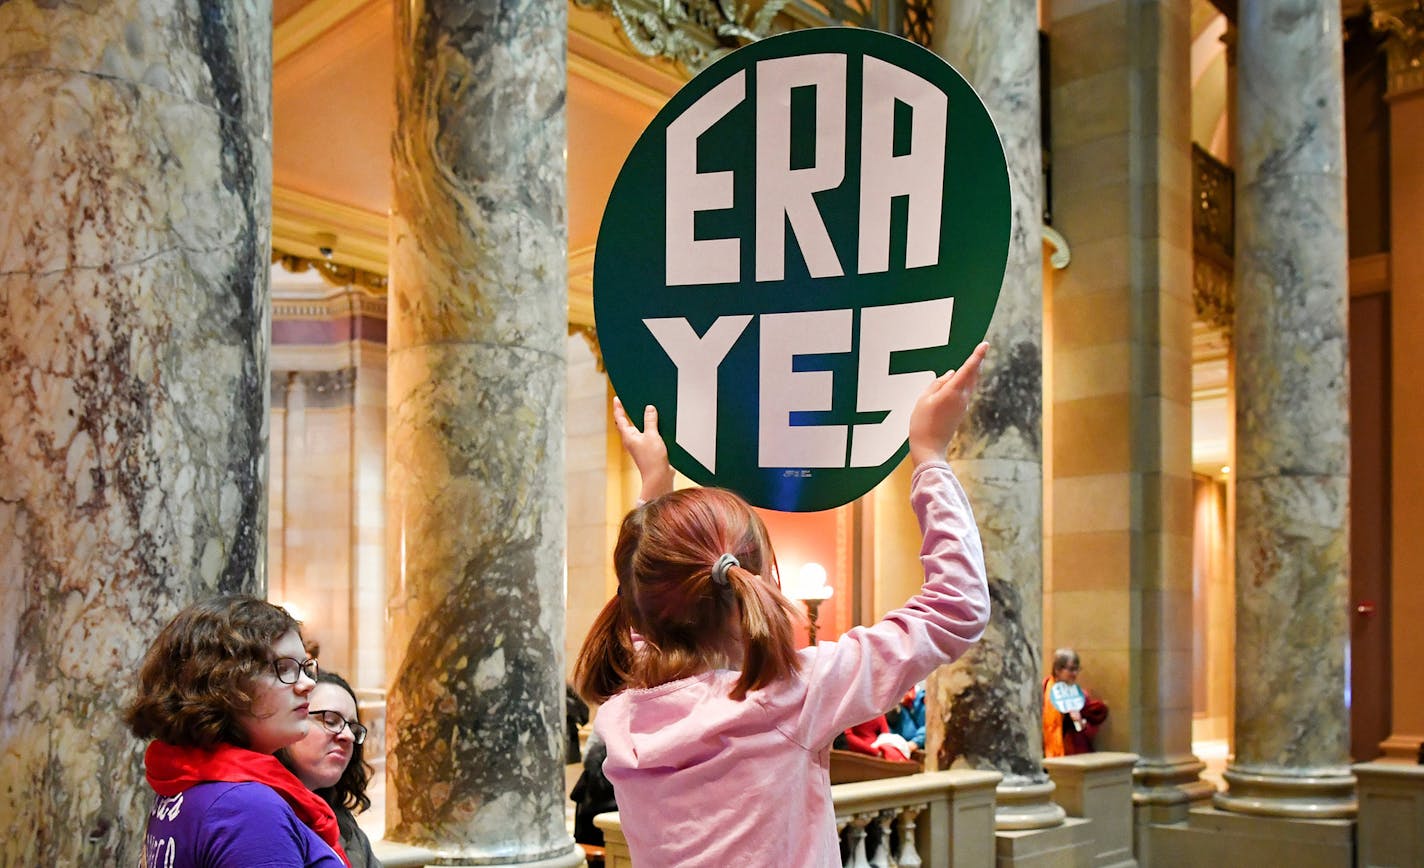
944,819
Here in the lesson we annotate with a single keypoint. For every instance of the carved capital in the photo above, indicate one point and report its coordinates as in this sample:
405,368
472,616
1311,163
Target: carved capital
1402,23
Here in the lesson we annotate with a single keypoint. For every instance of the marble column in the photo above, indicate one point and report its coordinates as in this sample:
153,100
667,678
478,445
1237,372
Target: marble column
1292,424
475,445
986,705
1403,23
135,168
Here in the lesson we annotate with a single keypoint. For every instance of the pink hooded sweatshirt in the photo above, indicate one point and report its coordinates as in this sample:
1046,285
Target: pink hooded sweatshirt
705,780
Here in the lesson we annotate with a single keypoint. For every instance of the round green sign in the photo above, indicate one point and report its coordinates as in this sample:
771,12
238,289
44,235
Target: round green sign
809,232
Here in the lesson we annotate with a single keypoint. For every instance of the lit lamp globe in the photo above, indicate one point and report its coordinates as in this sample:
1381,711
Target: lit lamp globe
811,589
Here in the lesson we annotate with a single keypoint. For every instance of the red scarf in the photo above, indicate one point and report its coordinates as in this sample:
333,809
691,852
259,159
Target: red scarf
171,770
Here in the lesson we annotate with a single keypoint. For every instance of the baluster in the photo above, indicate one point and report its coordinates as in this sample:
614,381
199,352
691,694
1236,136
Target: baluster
909,856
857,841
882,857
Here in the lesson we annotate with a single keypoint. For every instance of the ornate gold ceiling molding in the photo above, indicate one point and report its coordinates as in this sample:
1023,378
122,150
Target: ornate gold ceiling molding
600,53
300,221
308,24
1402,23
691,33
334,274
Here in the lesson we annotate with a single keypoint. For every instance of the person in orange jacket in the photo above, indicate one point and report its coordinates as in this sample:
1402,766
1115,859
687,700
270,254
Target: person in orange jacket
1066,734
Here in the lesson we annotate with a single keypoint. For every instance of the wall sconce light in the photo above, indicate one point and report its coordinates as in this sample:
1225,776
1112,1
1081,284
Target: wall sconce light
810,588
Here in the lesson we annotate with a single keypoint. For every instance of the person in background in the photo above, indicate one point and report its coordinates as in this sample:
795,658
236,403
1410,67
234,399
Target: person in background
1071,733
908,718
330,761
575,715
226,684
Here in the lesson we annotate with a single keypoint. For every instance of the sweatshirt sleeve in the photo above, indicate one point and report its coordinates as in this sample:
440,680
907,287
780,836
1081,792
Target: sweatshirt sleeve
867,670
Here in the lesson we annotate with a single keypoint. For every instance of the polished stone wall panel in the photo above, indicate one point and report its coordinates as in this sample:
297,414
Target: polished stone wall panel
135,162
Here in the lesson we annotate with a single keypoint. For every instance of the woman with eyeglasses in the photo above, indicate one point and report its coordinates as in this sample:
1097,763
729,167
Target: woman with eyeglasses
330,762
225,686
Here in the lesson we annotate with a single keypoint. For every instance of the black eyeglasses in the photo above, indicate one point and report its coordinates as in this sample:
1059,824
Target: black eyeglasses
289,669
334,723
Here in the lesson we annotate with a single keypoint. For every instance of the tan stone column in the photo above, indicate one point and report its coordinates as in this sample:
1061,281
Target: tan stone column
475,445
983,711
1292,425
135,172
1403,21
1122,316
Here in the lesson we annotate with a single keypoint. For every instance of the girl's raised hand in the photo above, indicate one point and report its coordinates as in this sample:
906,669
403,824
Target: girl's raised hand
647,449
941,408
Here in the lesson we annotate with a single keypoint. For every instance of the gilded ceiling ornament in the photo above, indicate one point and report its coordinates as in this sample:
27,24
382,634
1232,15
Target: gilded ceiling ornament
332,273
692,33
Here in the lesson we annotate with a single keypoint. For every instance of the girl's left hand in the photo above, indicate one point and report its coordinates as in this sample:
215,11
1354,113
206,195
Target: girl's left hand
647,449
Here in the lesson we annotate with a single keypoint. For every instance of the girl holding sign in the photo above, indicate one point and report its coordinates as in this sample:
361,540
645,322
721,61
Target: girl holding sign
718,730
1070,717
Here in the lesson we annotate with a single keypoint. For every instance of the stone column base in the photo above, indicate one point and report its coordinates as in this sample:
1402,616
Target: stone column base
1391,825
1067,845
1165,789
1211,838
1318,796
1023,805
1098,787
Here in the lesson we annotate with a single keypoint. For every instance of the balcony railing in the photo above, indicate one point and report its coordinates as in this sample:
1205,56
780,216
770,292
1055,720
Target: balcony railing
939,819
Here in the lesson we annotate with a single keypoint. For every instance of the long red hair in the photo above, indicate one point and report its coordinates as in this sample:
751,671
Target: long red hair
690,623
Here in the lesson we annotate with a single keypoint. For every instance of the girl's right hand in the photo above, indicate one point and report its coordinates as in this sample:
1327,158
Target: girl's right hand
647,449
941,408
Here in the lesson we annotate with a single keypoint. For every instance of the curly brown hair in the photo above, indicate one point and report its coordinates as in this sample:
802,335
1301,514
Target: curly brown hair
197,678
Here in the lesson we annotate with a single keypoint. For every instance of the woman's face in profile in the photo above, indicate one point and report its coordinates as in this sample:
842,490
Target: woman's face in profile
321,758
279,711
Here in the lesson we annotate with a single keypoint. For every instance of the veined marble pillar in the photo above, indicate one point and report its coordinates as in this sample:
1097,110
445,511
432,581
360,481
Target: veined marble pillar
986,705
1292,424
135,168
475,469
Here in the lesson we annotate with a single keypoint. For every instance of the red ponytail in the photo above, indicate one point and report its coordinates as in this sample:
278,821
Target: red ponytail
690,622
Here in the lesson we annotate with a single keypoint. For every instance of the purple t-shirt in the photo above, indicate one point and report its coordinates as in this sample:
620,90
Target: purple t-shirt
226,825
